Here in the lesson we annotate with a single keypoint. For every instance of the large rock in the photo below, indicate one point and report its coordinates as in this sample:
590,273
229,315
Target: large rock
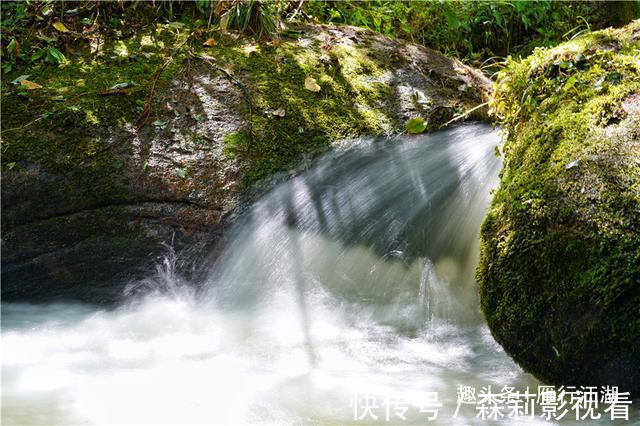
559,275
89,195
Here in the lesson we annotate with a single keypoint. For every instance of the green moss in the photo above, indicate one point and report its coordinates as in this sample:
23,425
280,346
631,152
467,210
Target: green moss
76,116
559,275
67,128
234,144
351,102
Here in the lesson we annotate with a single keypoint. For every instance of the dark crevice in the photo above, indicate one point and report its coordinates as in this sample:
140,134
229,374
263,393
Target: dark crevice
114,204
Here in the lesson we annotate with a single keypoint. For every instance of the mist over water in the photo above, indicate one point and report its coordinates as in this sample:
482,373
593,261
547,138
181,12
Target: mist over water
353,277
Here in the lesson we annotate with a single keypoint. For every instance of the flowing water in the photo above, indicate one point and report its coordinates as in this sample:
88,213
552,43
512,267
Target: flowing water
352,279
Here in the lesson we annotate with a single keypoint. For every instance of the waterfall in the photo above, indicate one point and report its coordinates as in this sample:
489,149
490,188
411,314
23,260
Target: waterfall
355,276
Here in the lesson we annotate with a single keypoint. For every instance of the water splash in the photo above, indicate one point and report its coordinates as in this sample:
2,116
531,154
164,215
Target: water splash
356,276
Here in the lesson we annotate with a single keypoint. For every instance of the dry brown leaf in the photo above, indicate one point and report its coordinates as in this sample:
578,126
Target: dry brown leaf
60,27
30,85
209,43
228,68
311,84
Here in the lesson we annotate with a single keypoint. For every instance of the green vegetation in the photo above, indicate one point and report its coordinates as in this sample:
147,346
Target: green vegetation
559,270
106,79
477,31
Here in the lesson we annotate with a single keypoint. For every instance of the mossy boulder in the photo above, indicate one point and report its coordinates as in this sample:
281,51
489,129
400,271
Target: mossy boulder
98,171
559,273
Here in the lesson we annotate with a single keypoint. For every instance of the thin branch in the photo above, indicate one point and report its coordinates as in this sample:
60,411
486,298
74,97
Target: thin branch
24,126
458,117
296,11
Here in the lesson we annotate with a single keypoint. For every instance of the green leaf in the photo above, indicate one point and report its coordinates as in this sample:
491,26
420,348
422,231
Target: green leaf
415,125
55,56
11,165
11,46
60,27
570,84
39,54
181,173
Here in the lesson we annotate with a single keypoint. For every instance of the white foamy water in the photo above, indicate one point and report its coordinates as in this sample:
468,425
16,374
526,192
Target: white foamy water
355,277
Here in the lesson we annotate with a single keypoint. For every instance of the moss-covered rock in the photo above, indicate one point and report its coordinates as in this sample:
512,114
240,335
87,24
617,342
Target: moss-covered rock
93,183
559,275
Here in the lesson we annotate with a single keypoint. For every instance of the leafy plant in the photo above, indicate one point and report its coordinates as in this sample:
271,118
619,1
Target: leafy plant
476,30
416,125
257,18
50,54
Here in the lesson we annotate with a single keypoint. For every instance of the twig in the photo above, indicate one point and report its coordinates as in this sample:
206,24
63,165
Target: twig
292,17
24,126
243,88
458,117
40,117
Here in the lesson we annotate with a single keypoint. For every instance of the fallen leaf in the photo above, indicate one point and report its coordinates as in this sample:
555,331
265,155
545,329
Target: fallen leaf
228,68
209,43
311,84
416,125
160,124
275,42
248,50
279,112
19,79
572,165
60,27
30,84
181,173
124,85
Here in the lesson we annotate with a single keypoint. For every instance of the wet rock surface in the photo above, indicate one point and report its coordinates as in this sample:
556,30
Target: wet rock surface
90,203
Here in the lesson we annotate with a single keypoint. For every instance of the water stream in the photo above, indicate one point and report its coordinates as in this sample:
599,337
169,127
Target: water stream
353,278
